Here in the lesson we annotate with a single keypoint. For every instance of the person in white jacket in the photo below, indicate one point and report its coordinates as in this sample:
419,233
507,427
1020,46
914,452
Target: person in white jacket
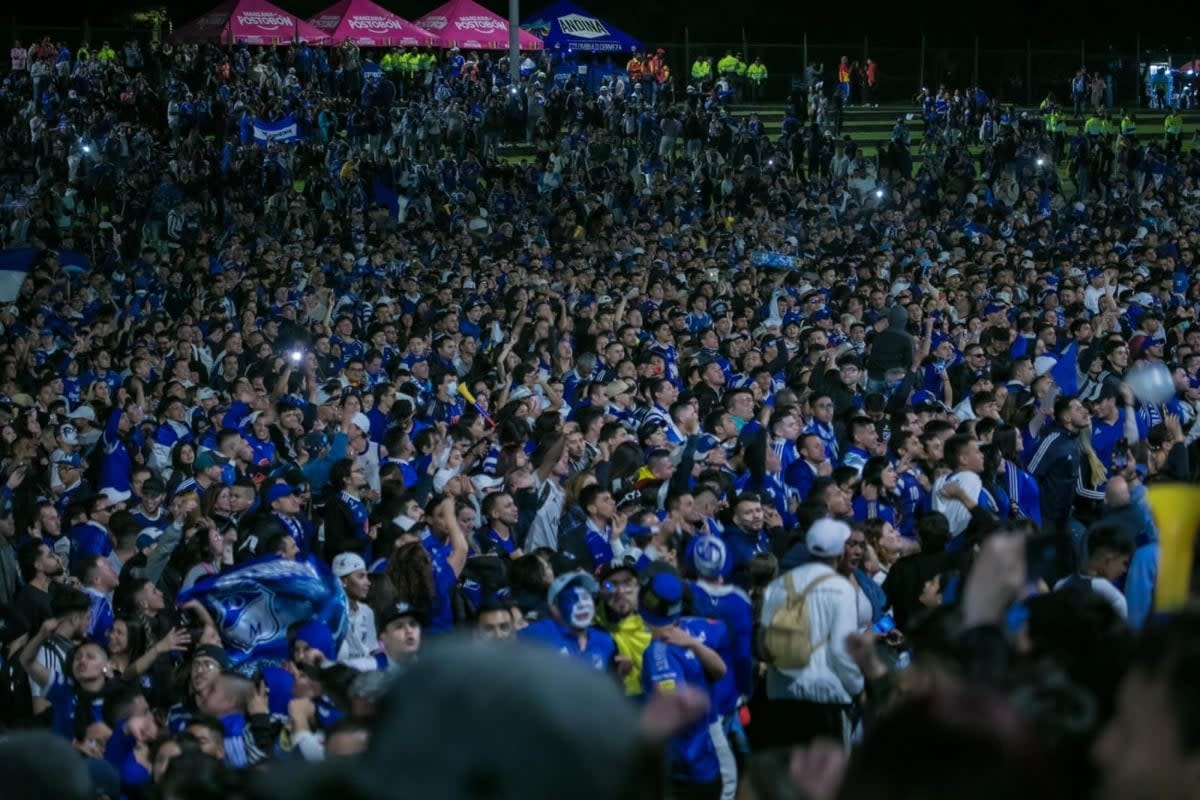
806,703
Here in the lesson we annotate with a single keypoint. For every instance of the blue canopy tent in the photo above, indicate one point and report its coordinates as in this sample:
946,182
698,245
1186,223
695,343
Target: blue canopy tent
570,32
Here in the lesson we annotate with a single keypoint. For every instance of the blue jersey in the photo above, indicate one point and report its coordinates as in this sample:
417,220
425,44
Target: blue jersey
914,501
713,633
732,606
598,652
692,753
864,509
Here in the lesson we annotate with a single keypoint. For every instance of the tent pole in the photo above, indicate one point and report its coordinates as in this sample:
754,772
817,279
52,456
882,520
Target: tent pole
514,42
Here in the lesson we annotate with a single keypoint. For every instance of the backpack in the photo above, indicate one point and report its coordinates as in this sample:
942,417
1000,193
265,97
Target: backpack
786,641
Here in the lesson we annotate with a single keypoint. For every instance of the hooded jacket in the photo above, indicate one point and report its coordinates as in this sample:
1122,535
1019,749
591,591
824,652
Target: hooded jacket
892,348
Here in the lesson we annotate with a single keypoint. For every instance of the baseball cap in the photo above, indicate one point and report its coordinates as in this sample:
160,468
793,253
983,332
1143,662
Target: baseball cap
826,538
84,413
210,458
348,563
147,537
362,422
205,393
278,491
398,611
153,486
115,495
70,459
615,388
68,434
1043,364
708,556
570,579
314,442
661,599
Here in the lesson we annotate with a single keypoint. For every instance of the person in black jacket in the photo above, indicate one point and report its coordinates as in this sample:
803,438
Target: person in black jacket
347,519
891,348
1056,464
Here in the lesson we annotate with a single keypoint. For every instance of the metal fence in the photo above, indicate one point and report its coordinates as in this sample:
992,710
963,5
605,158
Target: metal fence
1016,72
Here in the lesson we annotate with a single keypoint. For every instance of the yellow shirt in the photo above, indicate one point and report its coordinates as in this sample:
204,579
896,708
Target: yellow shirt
632,639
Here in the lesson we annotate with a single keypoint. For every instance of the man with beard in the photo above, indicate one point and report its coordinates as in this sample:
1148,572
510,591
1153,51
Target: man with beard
568,629
41,568
619,584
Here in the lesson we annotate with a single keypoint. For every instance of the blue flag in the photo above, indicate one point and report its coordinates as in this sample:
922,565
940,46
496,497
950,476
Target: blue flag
285,130
254,603
1066,370
14,266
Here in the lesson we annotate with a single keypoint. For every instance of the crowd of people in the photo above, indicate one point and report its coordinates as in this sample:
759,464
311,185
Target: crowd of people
830,466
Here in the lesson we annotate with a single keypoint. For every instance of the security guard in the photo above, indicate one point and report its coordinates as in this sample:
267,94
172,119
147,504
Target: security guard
727,66
701,70
1173,128
757,72
1094,125
1128,125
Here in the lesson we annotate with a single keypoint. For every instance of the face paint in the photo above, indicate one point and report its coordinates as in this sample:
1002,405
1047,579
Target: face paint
577,607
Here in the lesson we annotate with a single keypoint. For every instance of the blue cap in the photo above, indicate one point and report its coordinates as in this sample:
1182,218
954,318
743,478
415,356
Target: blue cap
316,635
708,556
70,459
279,490
820,315
661,599
923,398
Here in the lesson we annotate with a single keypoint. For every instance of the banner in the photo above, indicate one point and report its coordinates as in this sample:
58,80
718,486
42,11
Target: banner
285,130
14,267
254,604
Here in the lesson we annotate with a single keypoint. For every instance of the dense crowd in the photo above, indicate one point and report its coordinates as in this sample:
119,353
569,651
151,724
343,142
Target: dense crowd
807,448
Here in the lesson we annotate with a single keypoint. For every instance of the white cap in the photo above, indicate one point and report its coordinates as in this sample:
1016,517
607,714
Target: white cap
347,563
826,538
484,482
1043,364
115,496
83,412
362,422
205,393
443,476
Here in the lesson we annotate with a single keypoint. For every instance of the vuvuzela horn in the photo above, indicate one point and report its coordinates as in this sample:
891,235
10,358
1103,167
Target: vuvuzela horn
1176,510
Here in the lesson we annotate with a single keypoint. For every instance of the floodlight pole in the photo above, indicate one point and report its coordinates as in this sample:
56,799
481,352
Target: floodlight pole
514,42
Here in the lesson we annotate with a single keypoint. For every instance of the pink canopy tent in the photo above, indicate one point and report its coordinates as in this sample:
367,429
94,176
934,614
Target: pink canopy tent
369,25
466,24
249,22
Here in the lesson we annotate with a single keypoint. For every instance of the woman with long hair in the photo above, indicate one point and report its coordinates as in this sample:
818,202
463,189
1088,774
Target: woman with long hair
876,498
183,465
201,554
1024,494
217,506
408,578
